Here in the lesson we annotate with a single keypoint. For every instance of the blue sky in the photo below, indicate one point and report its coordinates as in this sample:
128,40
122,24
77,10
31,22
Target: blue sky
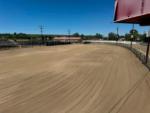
83,16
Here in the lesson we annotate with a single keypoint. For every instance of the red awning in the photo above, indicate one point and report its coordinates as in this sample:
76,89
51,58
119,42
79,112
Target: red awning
132,11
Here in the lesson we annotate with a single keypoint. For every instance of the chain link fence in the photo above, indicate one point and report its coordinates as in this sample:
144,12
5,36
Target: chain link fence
139,49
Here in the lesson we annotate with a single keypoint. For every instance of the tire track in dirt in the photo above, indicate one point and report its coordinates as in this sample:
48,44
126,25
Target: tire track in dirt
71,79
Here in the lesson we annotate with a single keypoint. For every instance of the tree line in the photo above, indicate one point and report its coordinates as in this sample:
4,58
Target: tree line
132,35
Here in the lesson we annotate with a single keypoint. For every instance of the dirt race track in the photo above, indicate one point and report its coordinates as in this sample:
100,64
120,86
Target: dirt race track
73,79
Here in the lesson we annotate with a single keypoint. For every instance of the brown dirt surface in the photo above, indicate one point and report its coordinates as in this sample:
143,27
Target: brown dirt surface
73,79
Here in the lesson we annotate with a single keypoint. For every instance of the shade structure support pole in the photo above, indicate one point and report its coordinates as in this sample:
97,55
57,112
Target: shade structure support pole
131,43
117,37
147,51
132,36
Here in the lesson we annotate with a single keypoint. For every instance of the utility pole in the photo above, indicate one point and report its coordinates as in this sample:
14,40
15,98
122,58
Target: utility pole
69,34
41,30
132,36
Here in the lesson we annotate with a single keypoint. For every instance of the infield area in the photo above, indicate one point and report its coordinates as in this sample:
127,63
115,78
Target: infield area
73,79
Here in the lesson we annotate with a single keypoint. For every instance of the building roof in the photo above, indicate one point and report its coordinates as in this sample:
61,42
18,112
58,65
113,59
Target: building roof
67,38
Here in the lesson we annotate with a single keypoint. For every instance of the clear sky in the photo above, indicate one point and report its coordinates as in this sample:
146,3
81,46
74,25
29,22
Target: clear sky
83,16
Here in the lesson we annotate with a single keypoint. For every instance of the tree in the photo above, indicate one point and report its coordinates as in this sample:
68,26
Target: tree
127,36
99,36
143,37
112,36
135,34
76,35
22,36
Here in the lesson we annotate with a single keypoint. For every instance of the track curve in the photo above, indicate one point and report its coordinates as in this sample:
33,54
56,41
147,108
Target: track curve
73,79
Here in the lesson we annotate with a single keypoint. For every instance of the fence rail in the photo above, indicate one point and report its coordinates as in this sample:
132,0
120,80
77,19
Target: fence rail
126,44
